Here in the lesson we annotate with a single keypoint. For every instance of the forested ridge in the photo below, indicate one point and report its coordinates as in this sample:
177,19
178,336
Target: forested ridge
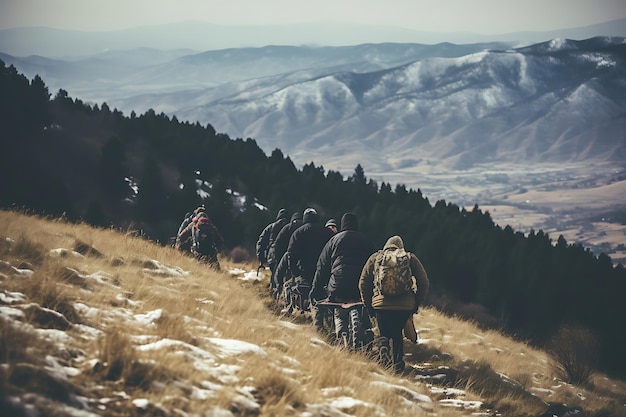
63,157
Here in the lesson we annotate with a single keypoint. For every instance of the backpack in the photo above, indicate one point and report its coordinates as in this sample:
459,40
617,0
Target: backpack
392,272
203,238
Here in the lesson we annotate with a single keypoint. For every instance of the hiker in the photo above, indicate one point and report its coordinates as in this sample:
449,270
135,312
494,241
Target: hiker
186,220
392,311
266,240
338,272
305,245
184,238
332,225
207,240
272,258
280,248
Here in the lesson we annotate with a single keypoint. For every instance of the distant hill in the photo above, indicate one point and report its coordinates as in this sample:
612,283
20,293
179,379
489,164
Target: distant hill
386,106
202,36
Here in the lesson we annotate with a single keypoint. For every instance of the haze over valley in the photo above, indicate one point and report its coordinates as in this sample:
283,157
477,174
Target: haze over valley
533,133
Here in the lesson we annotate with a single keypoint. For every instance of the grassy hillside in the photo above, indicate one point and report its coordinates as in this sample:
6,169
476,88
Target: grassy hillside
102,322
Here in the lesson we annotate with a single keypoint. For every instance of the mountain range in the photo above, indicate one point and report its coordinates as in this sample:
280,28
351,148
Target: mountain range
471,122
389,107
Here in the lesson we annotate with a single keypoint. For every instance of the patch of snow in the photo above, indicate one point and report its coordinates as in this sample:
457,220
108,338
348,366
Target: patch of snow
289,325
124,299
63,253
447,391
11,313
405,392
58,370
149,318
468,405
53,335
232,347
8,297
22,272
141,403
101,277
347,403
160,269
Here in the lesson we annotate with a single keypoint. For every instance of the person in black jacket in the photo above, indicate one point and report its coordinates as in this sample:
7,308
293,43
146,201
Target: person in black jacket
304,248
265,243
338,270
280,249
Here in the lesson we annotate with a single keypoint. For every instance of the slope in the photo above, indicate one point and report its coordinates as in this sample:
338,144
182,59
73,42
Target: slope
102,322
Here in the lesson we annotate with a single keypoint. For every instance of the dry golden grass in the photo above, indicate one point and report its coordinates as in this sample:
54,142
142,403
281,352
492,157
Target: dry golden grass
120,277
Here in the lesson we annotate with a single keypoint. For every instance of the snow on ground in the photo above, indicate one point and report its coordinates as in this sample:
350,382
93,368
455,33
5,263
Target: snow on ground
212,358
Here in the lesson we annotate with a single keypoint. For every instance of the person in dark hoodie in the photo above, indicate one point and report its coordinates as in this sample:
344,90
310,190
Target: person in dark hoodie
305,245
264,244
338,271
280,248
392,312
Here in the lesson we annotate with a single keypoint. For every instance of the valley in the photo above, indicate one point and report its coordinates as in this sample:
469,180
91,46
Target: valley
585,203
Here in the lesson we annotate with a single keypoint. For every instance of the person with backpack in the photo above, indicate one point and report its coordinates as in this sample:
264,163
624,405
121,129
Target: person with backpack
393,284
280,248
305,245
184,237
338,272
272,257
207,240
266,240
178,243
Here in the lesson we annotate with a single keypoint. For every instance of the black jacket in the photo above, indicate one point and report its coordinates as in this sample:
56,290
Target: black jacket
267,236
282,240
340,263
305,245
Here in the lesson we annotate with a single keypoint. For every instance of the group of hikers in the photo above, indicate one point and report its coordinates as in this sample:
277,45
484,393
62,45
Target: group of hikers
199,236
312,264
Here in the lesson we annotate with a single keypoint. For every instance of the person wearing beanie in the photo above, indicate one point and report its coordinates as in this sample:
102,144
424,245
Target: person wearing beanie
338,270
280,248
392,312
332,225
305,245
267,237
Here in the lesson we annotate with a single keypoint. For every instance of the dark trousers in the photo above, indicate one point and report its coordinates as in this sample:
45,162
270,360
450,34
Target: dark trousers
390,325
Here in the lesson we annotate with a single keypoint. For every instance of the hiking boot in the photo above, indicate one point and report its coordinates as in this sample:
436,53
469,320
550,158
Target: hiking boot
384,357
384,354
399,367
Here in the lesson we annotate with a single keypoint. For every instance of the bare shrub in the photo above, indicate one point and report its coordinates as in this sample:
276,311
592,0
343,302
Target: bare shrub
42,288
573,350
24,249
14,343
116,354
502,392
276,391
173,326
240,255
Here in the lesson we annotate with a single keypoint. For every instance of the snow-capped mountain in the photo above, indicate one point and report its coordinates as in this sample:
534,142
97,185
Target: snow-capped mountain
385,106
558,101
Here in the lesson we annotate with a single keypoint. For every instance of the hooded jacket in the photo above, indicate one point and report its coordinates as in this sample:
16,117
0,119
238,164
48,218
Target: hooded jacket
305,245
282,239
268,235
340,263
372,297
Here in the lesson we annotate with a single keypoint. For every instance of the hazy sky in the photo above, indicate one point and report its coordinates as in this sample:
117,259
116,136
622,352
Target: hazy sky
478,16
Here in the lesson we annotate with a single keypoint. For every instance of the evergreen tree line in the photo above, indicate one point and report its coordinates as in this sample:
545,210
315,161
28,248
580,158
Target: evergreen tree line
63,157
